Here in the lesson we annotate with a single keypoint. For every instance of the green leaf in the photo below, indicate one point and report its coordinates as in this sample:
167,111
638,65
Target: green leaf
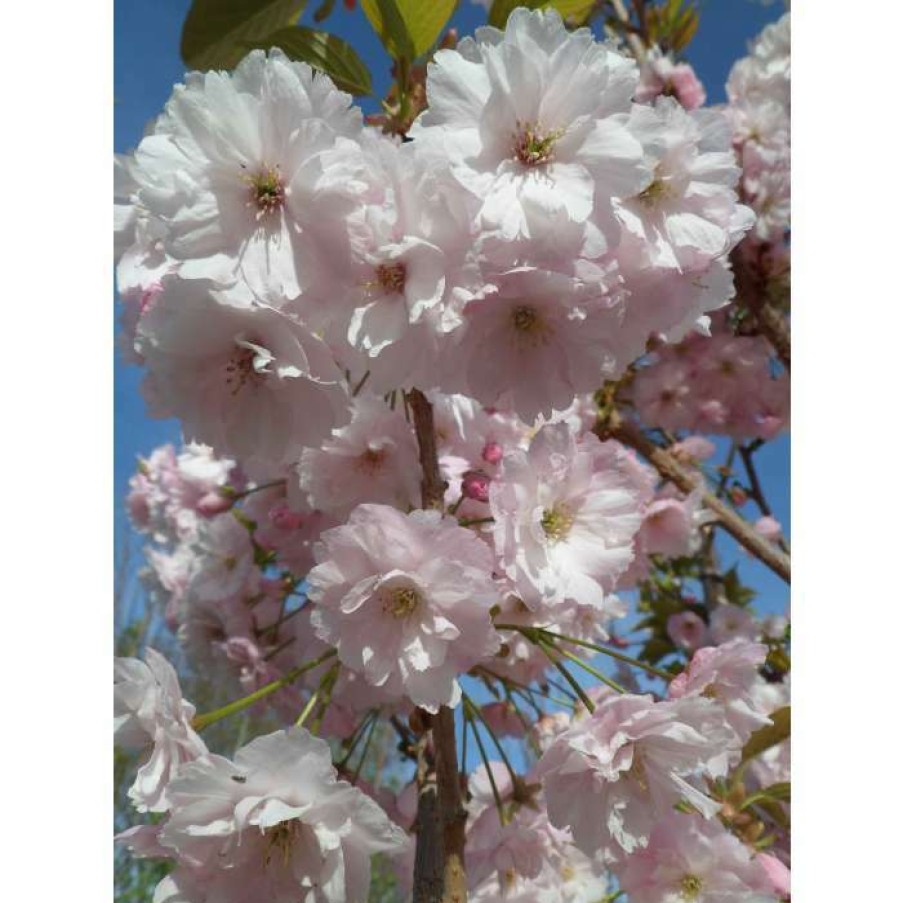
323,51
770,735
779,792
501,9
576,10
387,22
216,33
408,28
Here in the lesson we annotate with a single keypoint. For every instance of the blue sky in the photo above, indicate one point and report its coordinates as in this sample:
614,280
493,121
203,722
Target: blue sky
147,64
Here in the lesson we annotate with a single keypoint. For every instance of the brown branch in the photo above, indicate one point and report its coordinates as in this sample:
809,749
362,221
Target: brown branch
633,41
451,807
613,426
432,486
752,293
439,872
428,855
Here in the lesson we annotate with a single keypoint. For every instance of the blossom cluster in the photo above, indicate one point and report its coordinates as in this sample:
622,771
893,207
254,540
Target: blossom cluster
278,253
294,281
723,383
758,91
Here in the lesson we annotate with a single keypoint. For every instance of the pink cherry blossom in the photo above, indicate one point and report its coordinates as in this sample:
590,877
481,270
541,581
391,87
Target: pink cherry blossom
274,824
149,709
244,378
405,599
373,459
565,517
611,776
691,859
534,117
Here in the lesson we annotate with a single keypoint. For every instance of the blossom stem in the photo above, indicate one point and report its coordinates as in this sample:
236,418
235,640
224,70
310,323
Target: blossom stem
591,670
495,790
308,708
237,496
657,672
613,426
364,751
468,702
327,684
205,720
550,650
529,692
356,736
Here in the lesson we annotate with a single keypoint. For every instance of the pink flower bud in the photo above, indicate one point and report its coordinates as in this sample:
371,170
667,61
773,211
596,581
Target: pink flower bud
738,495
769,528
475,485
492,453
213,503
778,873
284,518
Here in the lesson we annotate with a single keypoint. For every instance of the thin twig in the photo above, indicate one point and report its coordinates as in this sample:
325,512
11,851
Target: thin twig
614,426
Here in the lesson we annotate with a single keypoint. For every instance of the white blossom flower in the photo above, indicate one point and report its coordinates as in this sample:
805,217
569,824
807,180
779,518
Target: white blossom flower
241,165
535,114
149,708
611,776
405,600
244,378
566,513
273,824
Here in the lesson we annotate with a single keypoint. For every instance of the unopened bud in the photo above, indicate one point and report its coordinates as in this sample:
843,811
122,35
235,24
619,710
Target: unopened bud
213,503
284,518
738,495
475,485
492,453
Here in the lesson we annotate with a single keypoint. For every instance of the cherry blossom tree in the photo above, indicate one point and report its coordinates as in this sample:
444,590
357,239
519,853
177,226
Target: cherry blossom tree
472,392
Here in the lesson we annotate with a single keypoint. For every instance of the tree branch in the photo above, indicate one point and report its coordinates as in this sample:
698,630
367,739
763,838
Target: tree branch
441,817
752,294
432,486
633,40
613,426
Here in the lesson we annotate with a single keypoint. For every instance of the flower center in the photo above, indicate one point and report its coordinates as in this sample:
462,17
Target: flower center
533,145
240,370
279,840
267,190
391,277
660,189
401,602
526,319
557,522
638,771
690,886
371,461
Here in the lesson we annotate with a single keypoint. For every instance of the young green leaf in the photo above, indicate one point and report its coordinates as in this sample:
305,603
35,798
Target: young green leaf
408,28
770,735
216,33
574,11
323,51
